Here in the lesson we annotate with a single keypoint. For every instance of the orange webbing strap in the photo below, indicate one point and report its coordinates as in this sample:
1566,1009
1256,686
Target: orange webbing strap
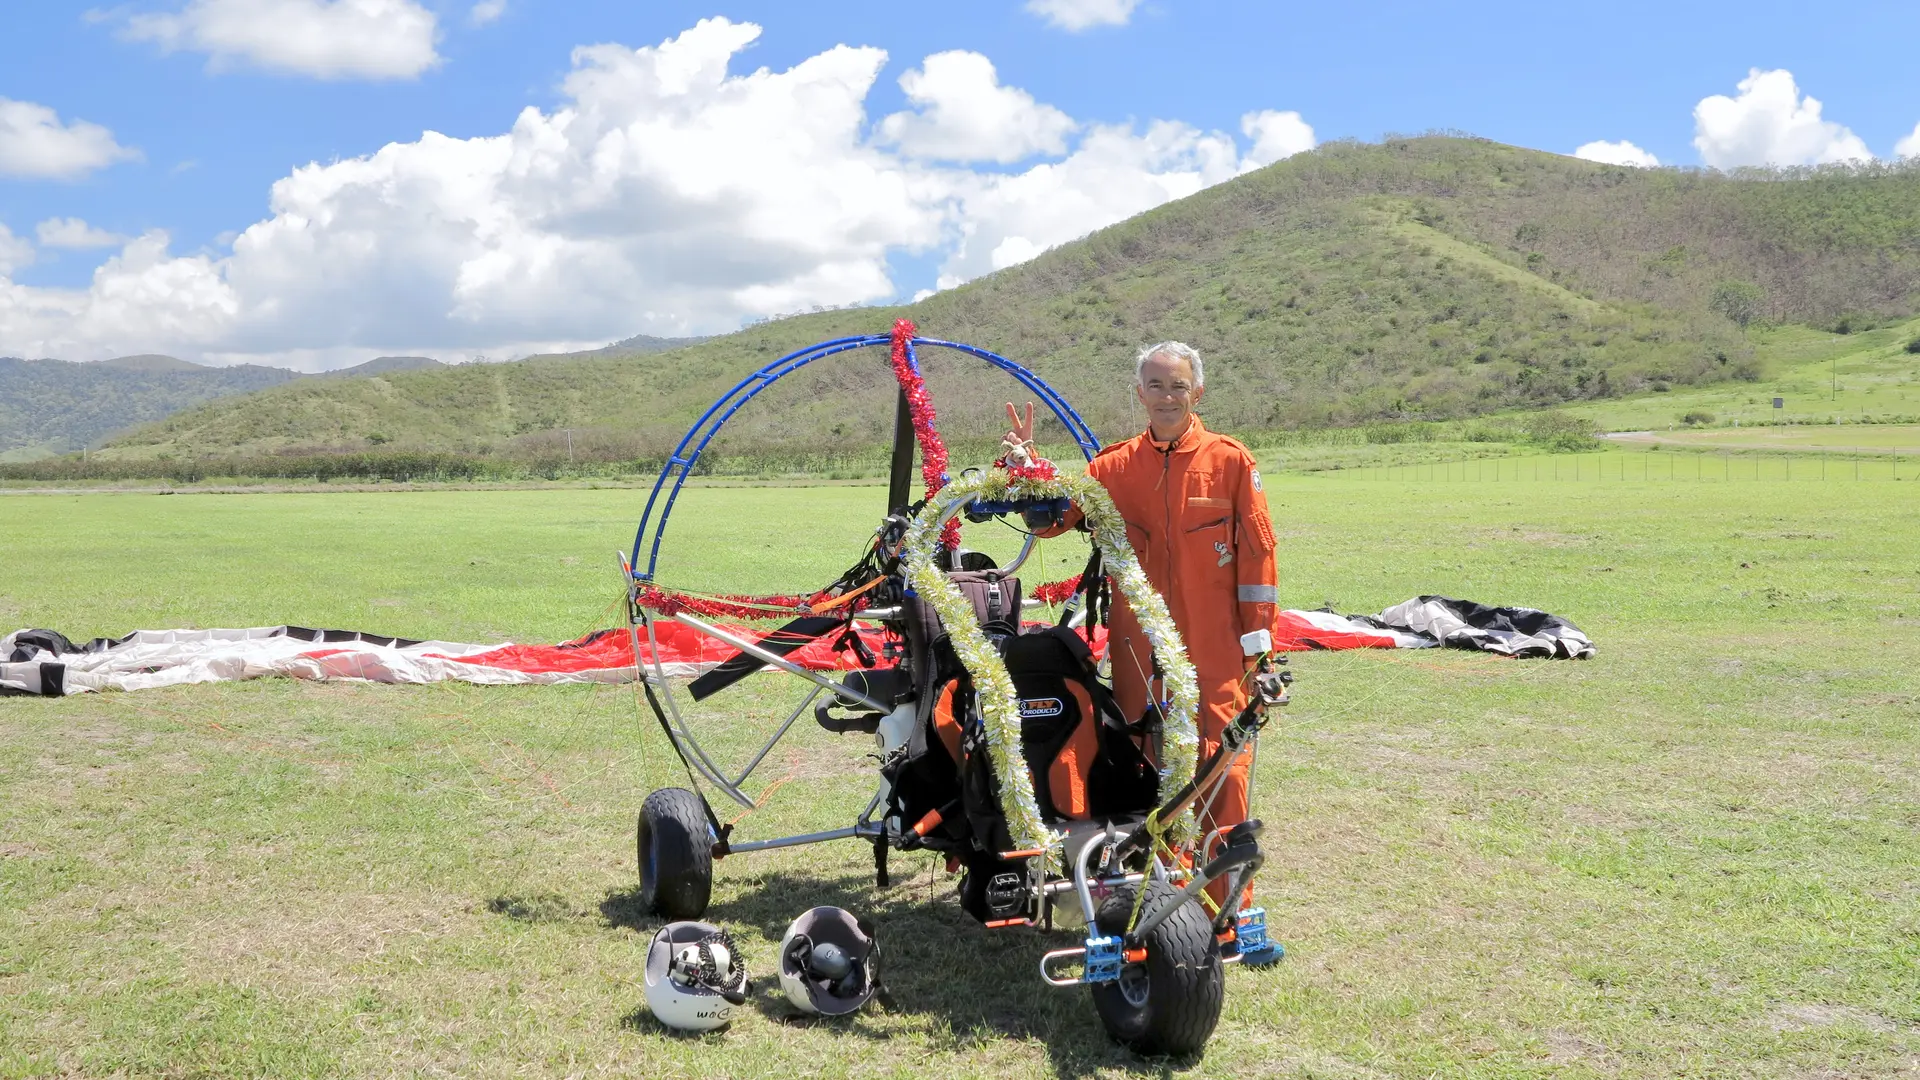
845,597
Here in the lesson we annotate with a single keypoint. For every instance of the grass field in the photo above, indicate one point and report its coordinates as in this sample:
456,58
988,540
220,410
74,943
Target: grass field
1685,462
1819,377
1842,438
1694,855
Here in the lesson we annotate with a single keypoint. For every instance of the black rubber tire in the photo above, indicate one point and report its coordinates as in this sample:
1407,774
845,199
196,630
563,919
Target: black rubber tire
674,845
1170,1004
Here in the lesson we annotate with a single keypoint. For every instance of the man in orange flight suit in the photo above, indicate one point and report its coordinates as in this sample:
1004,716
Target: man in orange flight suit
1197,520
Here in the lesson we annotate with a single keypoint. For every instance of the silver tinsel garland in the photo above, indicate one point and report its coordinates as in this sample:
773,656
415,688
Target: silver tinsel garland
999,703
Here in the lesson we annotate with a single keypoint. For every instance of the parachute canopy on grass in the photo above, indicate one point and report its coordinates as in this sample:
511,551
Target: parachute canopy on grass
44,662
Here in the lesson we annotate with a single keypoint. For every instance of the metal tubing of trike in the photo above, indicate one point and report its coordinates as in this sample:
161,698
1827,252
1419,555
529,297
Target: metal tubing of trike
846,693
777,736
849,833
1080,885
683,740
1152,920
1222,759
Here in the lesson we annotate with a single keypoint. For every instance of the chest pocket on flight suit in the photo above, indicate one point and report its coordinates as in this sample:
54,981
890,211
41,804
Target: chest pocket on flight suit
1207,527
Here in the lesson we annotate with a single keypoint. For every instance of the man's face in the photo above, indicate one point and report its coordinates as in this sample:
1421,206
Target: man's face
1166,389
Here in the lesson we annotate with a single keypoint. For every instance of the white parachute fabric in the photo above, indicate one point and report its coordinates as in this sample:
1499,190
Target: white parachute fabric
1508,631
42,662
1328,630
146,659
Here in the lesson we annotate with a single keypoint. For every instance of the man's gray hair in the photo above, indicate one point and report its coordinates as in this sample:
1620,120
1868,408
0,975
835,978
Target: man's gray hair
1175,350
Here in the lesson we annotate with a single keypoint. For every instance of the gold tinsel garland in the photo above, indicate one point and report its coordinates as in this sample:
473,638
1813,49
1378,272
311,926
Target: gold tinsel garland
999,703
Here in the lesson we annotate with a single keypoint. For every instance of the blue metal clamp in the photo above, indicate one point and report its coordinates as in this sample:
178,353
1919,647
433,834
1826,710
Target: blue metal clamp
1250,936
1103,961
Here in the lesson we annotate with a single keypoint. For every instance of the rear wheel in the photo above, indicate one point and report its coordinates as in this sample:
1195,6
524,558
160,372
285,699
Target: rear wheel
1170,1003
675,847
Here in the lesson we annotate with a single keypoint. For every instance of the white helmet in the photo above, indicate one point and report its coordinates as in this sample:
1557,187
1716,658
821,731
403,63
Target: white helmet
695,978
829,962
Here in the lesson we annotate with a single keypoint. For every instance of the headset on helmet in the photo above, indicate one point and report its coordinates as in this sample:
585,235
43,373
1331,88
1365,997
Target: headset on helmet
695,978
829,962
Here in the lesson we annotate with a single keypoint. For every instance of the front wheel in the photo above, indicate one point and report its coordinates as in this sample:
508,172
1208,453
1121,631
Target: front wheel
675,848
1170,1003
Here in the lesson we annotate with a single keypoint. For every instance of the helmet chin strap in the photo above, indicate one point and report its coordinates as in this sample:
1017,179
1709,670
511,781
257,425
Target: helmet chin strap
850,982
717,975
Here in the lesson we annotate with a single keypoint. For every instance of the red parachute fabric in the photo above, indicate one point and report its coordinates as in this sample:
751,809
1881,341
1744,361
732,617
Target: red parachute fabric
679,644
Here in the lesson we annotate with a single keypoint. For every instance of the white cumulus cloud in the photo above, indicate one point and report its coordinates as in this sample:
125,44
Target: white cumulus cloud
962,113
1275,135
139,300
666,194
1770,123
1113,174
1616,153
486,11
74,233
328,39
15,251
1910,145
1084,14
35,144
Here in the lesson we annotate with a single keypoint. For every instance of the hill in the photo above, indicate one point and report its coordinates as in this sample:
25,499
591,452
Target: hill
151,363
54,406
641,345
383,365
1423,278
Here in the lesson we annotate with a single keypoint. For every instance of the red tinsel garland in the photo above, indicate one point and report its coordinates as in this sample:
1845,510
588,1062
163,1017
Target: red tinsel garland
1057,592
731,606
655,598
933,452
1041,469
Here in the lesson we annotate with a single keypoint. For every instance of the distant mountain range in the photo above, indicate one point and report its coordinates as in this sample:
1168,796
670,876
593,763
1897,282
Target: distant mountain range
52,407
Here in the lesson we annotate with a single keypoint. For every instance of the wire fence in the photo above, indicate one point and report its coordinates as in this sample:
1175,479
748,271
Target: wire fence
1862,464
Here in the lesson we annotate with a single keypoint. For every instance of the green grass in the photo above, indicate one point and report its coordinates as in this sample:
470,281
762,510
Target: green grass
1686,465
1692,855
1820,377
1840,438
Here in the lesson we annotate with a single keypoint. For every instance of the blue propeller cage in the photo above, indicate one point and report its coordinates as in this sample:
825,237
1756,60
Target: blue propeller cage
673,475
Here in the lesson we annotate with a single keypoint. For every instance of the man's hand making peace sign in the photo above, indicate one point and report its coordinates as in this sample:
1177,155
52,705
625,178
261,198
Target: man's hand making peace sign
1018,443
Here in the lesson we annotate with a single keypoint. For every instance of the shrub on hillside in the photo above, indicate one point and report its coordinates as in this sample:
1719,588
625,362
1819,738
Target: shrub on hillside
1558,431
1740,301
1697,418
1914,345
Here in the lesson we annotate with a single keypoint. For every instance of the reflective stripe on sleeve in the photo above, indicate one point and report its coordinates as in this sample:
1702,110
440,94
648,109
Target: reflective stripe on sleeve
1259,594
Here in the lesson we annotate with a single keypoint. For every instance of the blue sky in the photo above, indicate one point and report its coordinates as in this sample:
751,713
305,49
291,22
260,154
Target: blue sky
164,125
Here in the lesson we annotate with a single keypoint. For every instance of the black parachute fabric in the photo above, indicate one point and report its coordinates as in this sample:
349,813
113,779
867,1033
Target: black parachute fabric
1509,631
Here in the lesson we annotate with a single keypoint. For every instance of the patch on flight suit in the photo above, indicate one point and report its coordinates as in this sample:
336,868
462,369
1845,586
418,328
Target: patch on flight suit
1226,553
1256,480
1262,530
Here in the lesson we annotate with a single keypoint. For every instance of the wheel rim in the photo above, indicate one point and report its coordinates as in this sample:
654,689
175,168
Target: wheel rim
1134,985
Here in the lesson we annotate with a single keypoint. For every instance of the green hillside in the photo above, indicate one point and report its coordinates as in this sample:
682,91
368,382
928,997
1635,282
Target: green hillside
1427,278
54,406
152,363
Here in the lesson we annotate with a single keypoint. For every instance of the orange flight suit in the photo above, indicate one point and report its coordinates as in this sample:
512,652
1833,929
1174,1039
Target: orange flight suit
1197,520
